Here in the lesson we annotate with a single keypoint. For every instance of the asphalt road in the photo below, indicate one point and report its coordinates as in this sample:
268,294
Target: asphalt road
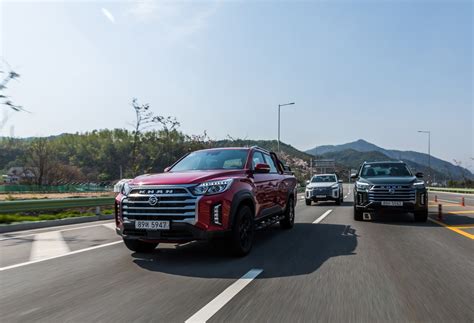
336,270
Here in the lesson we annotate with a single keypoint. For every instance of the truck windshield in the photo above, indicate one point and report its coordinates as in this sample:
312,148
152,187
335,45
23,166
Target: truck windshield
324,179
385,169
212,159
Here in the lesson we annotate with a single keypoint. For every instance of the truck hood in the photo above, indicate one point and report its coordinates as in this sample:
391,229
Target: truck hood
314,185
187,177
389,180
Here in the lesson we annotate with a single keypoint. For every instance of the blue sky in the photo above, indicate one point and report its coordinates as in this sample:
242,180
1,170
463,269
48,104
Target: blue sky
378,70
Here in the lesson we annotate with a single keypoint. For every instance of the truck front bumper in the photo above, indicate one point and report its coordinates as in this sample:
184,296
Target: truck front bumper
178,232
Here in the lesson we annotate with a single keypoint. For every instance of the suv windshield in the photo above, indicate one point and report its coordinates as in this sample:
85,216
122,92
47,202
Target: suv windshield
324,179
213,159
385,169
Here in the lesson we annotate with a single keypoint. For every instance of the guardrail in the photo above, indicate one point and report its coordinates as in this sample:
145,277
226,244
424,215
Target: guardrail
53,204
452,190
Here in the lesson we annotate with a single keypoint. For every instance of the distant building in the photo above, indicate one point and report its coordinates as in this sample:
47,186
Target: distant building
16,175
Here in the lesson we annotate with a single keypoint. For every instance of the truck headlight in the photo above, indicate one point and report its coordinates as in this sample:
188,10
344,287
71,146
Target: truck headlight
420,184
335,186
362,186
126,189
212,187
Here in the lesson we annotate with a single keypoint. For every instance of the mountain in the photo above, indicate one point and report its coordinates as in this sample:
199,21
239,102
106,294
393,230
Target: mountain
350,158
271,145
441,168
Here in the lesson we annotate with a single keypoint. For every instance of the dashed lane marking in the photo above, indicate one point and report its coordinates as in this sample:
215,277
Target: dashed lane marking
322,217
223,298
110,225
47,245
58,230
59,256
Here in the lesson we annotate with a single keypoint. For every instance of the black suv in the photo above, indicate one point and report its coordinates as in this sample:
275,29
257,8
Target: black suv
389,186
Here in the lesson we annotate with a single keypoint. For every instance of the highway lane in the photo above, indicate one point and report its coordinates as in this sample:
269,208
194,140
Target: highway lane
390,269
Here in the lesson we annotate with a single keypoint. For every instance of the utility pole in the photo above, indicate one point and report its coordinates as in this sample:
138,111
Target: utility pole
429,153
279,108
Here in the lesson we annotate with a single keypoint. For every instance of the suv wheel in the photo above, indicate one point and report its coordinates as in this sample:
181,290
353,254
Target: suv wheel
421,216
289,220
308,202
339,201
242,232
357,215
140,246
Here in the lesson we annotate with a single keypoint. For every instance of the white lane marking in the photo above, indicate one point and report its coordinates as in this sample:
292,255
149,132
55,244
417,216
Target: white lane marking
449,201
110,225
223,298
47,245
64,255
61,230
322,217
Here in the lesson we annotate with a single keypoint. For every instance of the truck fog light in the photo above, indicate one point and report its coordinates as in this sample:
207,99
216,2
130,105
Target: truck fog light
217,214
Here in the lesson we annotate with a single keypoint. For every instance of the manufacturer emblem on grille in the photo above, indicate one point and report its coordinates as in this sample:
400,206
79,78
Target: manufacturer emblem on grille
391,191
153,200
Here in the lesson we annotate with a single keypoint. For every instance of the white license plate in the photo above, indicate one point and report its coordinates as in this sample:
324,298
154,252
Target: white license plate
392,203
321,196
152,225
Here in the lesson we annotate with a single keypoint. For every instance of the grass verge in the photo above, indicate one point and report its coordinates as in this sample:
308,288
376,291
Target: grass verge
28,217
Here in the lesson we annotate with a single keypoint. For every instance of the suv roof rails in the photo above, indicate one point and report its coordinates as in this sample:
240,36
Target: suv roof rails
257,147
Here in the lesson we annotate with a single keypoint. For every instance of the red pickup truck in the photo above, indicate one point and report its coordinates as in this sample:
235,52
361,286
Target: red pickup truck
207,194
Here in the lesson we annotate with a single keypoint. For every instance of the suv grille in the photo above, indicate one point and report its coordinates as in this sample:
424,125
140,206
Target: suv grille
391,192
159,203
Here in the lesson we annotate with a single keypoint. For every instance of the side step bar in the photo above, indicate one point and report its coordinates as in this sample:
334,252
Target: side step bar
268,221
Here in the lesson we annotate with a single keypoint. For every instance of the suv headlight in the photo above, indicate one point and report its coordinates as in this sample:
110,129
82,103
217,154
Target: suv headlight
362,186
419,184
126,189
212,187
335,186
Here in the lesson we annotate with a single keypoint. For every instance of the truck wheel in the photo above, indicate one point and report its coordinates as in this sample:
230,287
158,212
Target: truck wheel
140,246
339,201
308,202
289,220
241,239
357,215
421,216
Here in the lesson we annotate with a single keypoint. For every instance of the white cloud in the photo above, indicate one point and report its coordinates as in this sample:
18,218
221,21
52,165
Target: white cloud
175,19
108,15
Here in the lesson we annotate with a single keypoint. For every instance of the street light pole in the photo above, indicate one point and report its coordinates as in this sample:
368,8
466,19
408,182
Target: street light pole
279,108
429,151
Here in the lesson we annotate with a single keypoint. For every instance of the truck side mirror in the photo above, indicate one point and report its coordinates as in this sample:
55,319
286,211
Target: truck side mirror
262,168
419,175
340,181
354,176
307,182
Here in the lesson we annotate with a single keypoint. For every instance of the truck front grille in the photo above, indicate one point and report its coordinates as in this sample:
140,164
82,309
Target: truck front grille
392,192
159,203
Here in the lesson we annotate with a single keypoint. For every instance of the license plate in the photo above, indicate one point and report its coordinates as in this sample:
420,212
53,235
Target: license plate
152,225
320,196
392,203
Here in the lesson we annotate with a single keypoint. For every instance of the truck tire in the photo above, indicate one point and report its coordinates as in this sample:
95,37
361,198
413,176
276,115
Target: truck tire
308,202
339,201
357,215
140,246
421,216
289,220
241,238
